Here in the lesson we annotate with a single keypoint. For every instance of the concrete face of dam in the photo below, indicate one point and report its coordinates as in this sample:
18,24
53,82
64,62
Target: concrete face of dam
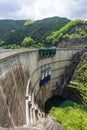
22,98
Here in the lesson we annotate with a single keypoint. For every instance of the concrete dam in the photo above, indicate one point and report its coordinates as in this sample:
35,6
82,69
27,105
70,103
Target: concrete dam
28,78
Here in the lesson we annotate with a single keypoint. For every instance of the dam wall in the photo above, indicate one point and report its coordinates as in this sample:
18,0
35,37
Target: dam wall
27,81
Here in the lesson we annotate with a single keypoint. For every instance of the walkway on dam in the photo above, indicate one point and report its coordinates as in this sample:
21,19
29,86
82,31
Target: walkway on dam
8,52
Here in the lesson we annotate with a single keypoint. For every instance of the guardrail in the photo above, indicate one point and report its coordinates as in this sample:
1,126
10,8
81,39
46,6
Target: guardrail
47,52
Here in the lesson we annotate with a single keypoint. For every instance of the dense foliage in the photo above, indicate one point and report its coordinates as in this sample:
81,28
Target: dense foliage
45,33
27,42
74,29
81,77
37,30
28,22
71,118
8,26
83,82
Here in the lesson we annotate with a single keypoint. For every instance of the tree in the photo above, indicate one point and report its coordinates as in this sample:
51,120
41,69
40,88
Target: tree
71,117
1,43
27,42
28,22
64,31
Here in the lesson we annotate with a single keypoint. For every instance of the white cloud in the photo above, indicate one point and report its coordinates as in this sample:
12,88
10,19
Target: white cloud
38,9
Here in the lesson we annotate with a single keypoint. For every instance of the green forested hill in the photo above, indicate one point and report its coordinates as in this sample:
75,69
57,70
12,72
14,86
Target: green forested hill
42,28
6,26
75,29
37,30
54,31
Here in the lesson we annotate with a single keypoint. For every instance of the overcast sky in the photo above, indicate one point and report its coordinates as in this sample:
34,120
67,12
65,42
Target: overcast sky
39,9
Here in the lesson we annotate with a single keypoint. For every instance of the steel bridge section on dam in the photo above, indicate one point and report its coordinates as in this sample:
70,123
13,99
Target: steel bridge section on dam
28,78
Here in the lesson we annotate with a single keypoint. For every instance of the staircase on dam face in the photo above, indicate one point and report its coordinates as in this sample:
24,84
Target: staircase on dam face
33,114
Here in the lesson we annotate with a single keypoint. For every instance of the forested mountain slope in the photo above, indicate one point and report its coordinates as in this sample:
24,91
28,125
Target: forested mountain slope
72,34
37,30
7,26
54,31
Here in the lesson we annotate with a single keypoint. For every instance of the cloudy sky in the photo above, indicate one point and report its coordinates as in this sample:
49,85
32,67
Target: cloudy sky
39,9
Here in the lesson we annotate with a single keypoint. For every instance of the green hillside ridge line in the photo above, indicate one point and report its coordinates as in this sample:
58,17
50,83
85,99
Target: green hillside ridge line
38,31
46,32
66,31
6,26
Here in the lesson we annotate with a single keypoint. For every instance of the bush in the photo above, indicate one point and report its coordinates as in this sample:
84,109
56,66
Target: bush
71,118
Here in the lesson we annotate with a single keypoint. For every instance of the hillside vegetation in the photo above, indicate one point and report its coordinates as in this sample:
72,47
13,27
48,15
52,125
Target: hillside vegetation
37,30
74,29
80,76
8,26
70,117
54,31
